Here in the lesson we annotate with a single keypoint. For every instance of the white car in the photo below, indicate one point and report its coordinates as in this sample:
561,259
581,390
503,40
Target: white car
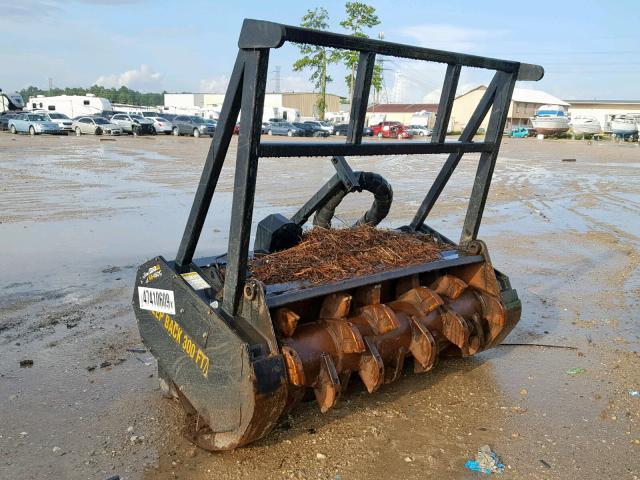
60,119
326,126
95,126
162,125
133,124
419,130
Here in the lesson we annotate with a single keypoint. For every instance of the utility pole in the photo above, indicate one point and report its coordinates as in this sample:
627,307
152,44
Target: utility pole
323,88
376,98
50,85
397,87
277,79
353,79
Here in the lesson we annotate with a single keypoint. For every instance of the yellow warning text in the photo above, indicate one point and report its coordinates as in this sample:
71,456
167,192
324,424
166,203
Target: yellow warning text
178,335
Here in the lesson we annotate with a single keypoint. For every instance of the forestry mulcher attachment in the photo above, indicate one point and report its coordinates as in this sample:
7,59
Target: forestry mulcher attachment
240,352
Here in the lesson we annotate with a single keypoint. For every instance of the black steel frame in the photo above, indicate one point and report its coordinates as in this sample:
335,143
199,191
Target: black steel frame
246,93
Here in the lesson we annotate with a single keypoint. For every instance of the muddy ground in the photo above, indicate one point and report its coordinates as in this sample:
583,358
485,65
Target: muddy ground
77,215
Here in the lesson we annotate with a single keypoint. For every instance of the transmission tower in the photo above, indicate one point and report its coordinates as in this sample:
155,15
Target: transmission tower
277,79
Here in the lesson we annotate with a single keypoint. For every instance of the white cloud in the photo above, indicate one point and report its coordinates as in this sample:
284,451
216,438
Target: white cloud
288,83
417,81
215,85
412,81
433,96
35,10
28,10
448,37
293,83
143,78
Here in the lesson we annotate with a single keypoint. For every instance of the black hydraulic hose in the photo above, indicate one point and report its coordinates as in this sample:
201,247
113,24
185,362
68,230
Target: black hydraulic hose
382,198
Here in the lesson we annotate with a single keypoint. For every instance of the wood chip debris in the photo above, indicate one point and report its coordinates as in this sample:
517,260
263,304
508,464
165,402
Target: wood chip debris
329,255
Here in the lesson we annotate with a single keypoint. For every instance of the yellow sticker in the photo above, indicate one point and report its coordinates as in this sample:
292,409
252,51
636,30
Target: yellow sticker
195,280
179,336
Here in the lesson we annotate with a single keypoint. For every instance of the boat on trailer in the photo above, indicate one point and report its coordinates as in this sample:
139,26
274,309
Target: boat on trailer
585,125
624,126
550,120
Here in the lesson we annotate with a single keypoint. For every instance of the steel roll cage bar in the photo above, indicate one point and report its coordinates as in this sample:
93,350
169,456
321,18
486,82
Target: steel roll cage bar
246,93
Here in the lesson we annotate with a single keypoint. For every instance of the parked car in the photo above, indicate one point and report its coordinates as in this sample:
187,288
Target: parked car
4,119
343,128
326,126
311,130
92,125
64,122
419,130
168,116
391,130
191,125
285,128
33,124
519,132
213,123
265,127
162,125
133,124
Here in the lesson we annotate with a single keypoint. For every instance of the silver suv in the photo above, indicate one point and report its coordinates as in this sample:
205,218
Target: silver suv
134,124
192,125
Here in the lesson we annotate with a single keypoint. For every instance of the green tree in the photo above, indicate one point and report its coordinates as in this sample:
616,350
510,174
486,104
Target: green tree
360,17
121,95
316,58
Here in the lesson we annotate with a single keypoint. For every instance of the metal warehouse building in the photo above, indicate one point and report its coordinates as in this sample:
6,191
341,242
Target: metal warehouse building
524,104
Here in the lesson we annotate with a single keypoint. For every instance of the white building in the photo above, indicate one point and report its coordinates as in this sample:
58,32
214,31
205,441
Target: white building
290,106
184,100
70,105
604,110
192,104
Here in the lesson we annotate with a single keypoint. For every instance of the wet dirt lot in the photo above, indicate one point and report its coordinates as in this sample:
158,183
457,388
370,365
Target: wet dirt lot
77,215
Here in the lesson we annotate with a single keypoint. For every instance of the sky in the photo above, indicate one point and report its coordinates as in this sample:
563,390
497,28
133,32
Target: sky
589,49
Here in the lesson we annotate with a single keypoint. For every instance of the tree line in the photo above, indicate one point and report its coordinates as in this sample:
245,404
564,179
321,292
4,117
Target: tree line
114,95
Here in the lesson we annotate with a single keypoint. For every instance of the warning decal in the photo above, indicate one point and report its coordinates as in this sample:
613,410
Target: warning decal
195,280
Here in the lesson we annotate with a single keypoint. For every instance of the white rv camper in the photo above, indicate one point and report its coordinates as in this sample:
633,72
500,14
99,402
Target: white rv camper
422,118
71,105
376,118
284,113
10,101
209,112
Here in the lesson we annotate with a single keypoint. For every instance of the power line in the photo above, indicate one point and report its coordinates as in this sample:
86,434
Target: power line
605,72
570,53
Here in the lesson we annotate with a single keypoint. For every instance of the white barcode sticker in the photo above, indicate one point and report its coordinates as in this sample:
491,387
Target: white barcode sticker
157,300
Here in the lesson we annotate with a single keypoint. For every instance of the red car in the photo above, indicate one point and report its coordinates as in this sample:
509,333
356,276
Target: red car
236,129
390,130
